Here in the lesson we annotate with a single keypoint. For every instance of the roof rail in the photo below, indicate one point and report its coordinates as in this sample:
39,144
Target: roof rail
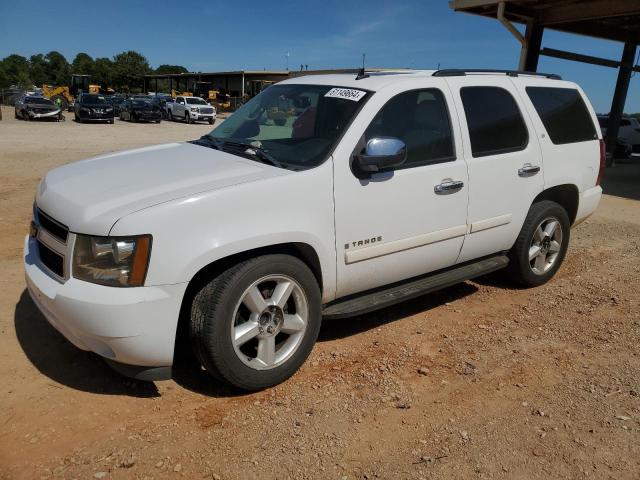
460,72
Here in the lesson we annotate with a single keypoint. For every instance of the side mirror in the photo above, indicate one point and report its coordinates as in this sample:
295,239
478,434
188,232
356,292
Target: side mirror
381,153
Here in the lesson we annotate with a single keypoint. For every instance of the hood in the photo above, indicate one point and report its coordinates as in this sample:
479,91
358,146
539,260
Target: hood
91,195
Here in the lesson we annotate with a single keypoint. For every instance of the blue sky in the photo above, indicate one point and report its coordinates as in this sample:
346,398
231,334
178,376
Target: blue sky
213,35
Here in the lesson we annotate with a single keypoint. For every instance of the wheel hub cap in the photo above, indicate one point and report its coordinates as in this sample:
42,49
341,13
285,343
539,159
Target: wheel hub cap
545,246
270,321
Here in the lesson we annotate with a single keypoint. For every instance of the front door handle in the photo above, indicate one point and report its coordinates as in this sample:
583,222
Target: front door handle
528,170
448,186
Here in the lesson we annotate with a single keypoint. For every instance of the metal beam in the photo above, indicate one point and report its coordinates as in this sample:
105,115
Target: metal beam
577,57
530,53
564,12
620,95
600,30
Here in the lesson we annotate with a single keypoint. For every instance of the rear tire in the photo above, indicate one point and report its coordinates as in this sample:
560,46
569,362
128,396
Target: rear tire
242,333
541,245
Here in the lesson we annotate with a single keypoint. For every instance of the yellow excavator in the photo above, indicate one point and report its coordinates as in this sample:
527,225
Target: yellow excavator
64,95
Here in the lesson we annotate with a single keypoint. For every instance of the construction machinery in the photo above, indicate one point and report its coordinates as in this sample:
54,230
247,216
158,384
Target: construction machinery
64,95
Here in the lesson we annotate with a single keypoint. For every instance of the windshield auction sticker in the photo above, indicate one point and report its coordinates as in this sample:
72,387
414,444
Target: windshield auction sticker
346,93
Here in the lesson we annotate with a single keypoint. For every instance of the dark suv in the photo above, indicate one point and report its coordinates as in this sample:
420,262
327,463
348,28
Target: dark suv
140,109
92,107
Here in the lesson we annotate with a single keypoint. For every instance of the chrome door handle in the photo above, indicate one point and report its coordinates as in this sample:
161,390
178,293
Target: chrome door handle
528,170
448,186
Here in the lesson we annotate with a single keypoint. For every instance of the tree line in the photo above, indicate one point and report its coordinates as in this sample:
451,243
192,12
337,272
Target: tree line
123,72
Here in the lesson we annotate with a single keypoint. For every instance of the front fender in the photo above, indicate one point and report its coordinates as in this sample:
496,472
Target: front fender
191,233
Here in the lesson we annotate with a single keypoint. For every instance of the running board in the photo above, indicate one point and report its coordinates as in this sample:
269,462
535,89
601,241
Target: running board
399,292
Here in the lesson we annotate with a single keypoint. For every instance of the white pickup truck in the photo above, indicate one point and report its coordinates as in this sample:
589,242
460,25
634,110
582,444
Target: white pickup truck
191,109
329,195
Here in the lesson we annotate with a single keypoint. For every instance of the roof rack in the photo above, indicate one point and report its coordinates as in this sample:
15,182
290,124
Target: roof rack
460,72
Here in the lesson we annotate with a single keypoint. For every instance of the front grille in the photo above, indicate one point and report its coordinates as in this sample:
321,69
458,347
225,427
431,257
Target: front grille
51,259
206,110
56,229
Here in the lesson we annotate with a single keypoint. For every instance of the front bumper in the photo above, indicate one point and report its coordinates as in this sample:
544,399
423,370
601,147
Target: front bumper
52,114
96,117
202,116
132,326
148,116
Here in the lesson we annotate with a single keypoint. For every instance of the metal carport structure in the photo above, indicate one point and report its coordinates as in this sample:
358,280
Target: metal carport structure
617,20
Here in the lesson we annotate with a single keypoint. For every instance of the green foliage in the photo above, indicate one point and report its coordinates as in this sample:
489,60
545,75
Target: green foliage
163,69
102,72
123,72
38,70
58,69
128,67
83,64
16,70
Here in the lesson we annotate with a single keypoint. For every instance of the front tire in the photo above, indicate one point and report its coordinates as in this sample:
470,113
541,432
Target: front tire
256,323
541,245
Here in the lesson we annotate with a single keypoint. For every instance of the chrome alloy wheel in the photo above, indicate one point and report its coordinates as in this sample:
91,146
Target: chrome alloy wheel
545,245
269,322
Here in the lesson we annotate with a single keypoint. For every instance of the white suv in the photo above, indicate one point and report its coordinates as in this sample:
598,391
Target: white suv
191,109
328,195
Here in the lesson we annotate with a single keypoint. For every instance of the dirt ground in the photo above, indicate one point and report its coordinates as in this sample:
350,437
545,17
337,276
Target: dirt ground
481,380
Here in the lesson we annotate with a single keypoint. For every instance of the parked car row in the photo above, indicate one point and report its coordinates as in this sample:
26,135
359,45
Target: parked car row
93,107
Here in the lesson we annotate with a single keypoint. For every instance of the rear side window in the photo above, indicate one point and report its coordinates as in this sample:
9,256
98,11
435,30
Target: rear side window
494,120
563,113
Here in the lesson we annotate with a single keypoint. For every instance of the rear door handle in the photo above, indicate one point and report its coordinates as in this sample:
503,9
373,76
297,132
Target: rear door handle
528,170
448,186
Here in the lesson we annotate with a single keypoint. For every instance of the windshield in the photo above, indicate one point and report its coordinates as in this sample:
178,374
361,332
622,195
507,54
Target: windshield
196,101
141,103
297,125
93,99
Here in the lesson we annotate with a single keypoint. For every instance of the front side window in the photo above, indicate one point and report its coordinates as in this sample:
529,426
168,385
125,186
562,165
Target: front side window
420,119
495,123
295,125
564,114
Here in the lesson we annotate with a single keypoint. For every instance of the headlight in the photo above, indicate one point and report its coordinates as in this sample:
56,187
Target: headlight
85,109
112,261
108,109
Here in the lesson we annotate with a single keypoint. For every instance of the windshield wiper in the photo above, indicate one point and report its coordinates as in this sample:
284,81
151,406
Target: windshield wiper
258,152
248,149
208,141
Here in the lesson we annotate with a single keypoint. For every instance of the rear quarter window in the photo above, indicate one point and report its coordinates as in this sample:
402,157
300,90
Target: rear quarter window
563,113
